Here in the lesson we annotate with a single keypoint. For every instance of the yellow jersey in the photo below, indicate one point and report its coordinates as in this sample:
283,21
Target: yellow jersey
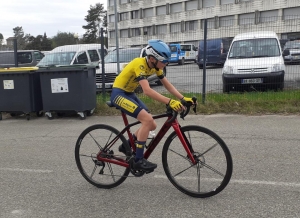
136,70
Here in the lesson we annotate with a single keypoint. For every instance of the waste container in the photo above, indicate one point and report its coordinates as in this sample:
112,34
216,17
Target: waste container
20,91
68,89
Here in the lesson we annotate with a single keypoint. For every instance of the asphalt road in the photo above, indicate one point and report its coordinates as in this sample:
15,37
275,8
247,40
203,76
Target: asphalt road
189,78
39,177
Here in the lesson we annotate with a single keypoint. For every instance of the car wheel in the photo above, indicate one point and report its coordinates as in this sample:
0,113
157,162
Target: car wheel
200,66
225,88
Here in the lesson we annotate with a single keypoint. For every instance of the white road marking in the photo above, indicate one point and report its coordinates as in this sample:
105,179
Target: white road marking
26,170
246,182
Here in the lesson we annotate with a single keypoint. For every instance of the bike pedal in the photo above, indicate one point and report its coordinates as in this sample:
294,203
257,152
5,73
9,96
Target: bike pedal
147,172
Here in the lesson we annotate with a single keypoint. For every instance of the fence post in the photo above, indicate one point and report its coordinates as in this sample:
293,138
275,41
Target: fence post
16,52
102,61
204,62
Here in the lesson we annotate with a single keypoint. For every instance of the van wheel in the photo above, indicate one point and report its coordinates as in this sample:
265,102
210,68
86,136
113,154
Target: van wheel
200,66
181,62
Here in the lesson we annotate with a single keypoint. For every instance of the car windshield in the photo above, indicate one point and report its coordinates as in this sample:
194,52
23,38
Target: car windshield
292,45
59,58
125,55
254,48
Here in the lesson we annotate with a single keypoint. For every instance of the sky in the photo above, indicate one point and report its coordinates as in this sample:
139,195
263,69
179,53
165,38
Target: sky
48,16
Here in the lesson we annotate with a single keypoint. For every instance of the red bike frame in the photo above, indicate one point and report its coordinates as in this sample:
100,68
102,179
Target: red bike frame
103,156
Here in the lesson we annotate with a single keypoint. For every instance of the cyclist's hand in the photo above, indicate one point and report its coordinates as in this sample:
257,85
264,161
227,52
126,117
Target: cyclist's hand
175,105
188,100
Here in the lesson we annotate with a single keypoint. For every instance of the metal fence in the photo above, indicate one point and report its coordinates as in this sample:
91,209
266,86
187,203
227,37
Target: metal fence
262,57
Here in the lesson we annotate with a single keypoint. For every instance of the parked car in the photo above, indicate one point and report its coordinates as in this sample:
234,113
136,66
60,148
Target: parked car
25,58
294,49
111,68
216,51
73,54
181,53
254,61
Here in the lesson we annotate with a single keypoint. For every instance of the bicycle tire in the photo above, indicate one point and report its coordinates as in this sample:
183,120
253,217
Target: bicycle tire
94,138
207,152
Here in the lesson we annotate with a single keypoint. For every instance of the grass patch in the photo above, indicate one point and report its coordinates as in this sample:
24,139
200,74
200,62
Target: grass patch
248,103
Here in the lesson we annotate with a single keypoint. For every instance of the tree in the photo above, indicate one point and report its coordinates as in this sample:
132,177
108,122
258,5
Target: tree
96,15
39,42
63,38
1,38
19,34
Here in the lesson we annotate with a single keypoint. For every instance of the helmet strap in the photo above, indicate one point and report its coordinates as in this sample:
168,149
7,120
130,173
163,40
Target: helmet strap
154,64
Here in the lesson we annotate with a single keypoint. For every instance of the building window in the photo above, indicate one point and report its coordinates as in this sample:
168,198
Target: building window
177,7
224,2
135,14
161,29
245,0
208,3
246,18
111,3
227,21
268,16
124,33
291,13
123,1
175,27
191,25
111,18
136,32
112,34
148,30
160,10
148,12
191,5
210,23
124,16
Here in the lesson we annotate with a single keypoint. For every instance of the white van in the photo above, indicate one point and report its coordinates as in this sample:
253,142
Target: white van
73,54
188,52
254,61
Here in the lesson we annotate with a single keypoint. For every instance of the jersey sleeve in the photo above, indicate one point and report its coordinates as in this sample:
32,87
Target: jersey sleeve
160,74
140,71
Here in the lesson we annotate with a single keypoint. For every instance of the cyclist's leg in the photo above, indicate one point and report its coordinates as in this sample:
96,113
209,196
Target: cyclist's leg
132,106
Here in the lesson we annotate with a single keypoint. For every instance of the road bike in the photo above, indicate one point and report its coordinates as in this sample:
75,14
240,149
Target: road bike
195,159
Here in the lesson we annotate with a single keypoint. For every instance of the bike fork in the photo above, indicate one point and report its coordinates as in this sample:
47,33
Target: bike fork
188,148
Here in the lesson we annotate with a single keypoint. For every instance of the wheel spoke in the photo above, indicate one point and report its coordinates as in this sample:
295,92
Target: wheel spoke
99,146
198,173
212,169
94,170
111,171
208,150
183,171
186,158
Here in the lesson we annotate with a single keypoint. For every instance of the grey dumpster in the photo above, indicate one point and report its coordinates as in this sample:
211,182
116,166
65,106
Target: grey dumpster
68,89
20,91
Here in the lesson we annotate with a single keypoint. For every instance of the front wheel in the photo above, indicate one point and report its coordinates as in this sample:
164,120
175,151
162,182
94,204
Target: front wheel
213,168
91,142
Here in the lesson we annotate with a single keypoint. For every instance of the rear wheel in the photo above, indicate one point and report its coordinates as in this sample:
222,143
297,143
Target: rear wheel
213,168
89,144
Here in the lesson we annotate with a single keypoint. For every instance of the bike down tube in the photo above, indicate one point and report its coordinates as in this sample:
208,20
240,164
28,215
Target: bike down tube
164,129
176,127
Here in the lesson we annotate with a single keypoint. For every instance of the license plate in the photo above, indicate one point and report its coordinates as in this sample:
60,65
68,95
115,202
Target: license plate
296,57
254,80
107,86
173,55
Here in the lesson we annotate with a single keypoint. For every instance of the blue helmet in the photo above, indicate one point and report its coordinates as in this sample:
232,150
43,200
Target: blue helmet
159,50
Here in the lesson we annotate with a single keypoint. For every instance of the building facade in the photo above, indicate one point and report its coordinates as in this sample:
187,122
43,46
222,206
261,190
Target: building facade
177,21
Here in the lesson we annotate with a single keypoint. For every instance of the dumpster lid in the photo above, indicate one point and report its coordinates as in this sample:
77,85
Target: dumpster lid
75,67
18,69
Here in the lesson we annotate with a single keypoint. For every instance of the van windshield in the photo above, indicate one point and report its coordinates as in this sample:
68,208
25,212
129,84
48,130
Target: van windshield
254,48
173,48
59,58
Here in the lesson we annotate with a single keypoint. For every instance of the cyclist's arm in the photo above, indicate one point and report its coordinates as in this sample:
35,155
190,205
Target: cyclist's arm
147,90
171,88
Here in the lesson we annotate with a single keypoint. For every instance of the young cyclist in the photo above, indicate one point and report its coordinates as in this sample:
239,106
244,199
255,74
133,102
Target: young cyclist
134,74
